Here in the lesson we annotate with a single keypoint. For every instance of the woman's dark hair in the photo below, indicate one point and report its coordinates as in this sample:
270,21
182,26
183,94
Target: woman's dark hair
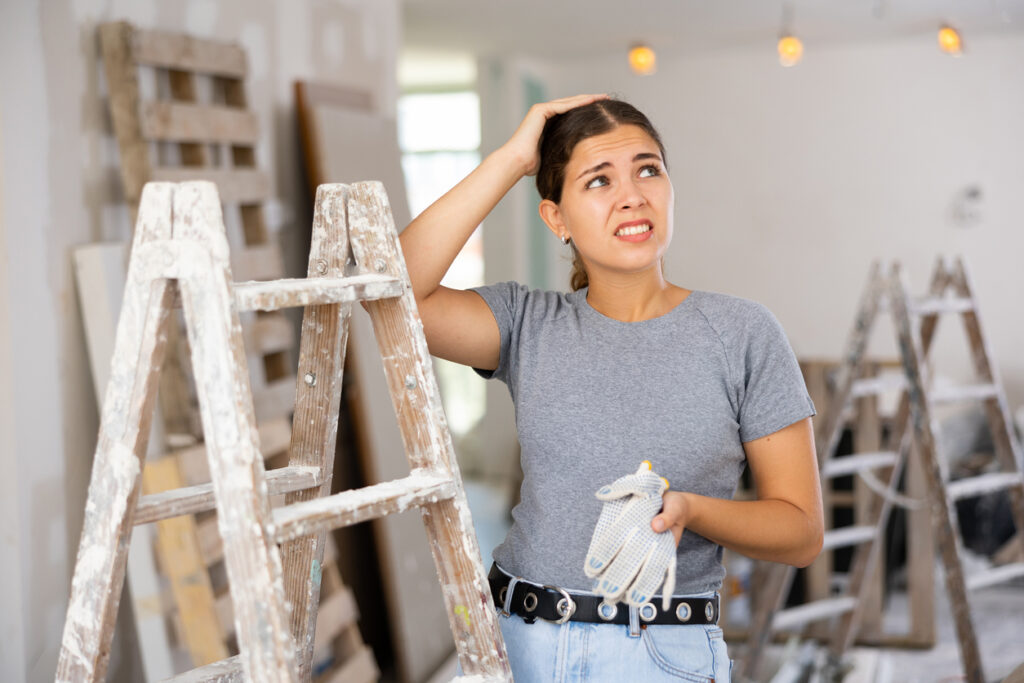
563,132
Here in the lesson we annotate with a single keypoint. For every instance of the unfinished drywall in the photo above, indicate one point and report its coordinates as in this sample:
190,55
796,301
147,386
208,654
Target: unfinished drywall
61,189
790,181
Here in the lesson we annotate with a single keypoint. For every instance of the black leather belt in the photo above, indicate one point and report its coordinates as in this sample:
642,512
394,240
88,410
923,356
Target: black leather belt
550,603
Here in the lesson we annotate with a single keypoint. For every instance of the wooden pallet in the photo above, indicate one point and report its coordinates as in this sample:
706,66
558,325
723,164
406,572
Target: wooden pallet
180,111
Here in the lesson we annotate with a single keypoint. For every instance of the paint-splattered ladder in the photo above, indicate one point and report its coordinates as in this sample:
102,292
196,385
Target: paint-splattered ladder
180,248
914,424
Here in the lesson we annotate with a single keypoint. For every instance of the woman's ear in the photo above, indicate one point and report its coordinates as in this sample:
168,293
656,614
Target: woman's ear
552,217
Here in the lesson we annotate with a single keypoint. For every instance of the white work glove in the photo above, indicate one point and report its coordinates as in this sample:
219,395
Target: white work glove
626,556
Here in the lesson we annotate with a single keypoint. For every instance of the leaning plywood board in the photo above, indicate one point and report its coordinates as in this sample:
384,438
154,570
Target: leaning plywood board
347,141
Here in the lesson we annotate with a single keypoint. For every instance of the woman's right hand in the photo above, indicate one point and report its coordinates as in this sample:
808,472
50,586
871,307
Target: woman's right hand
524,142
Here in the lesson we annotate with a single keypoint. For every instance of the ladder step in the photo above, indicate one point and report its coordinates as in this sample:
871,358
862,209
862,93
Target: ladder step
983,483
964,392
995,575
935,305
857,462
192,499
225,671
873,386
276,294
847,535
360,505
812,611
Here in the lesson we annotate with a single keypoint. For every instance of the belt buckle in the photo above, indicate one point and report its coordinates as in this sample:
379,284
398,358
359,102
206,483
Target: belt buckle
569,605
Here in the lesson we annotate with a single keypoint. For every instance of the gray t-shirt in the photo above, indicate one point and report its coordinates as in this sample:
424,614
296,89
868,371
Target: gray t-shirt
594,397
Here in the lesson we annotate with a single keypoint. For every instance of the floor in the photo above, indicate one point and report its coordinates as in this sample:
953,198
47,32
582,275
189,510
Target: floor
998,615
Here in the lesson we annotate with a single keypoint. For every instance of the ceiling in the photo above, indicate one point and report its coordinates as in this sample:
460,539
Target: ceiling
574,29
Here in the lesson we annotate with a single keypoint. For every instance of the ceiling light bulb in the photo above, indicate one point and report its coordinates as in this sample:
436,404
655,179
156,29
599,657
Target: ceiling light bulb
949,41
642,60
790,50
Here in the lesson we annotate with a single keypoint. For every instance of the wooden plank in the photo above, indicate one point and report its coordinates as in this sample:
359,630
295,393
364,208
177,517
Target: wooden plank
272,296
182,564
173,499
995,575
186,53
361,505
848,535
198,123
416,401
252,559
856,462
120,452
234,186
100,272
983,483
123,89
813,611
317,403
941,508
968,392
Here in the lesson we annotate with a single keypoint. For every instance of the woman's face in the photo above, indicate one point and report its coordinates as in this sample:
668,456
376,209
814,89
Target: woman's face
616,203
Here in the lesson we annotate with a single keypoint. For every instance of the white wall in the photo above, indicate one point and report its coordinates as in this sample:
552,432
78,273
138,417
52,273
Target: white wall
790,181
61,188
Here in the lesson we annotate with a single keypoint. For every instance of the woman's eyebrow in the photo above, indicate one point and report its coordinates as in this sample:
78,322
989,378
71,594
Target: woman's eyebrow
639,157
592,169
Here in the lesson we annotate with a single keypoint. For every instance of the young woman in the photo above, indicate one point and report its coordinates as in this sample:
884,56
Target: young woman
625,368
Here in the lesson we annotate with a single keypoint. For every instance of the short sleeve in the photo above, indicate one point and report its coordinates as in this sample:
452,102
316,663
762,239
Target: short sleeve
773,392
505,299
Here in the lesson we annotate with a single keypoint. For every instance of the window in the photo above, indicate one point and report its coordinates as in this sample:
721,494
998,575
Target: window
439,135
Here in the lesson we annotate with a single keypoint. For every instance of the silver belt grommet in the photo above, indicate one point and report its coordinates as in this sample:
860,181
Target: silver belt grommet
709,610
683,612
648,611
607,610
502,593
530,606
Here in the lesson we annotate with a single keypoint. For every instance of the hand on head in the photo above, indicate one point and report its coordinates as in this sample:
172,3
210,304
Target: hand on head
524,140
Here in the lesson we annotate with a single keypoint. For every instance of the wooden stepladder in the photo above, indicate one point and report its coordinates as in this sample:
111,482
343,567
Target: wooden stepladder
180,247
944,493
913,427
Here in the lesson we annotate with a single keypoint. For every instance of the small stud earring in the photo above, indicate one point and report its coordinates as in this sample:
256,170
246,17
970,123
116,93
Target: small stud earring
565,239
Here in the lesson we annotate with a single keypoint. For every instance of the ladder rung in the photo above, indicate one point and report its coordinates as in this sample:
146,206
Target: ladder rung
847,535
995,575
964,392
276,294
934,305
857,462
812,611
873,386
192,499
360,505
225,671
983,483
230,671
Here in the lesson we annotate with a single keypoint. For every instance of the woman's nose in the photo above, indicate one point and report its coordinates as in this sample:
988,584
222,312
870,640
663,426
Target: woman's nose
631,196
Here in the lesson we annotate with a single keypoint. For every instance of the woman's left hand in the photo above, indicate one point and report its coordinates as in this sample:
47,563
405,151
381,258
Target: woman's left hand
673,514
